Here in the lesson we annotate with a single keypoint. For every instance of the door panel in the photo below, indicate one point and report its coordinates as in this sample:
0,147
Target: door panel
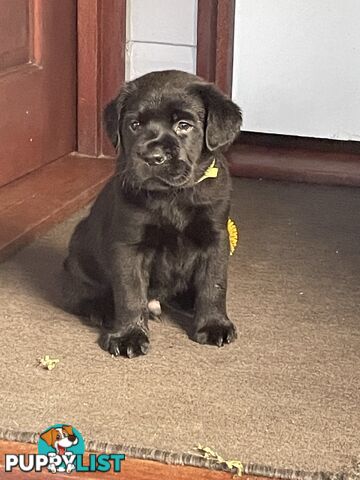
37,84
14,33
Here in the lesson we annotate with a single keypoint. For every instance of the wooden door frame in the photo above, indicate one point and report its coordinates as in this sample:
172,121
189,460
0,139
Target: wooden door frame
101,69
215,42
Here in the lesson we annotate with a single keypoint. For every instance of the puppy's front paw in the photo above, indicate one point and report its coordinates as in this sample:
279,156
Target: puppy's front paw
130,344
216,333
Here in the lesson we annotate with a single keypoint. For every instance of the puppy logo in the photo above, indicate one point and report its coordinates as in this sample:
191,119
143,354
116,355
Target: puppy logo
61,443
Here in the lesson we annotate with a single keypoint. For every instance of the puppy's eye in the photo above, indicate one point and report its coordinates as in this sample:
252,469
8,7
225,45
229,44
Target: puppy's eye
183,127
135,125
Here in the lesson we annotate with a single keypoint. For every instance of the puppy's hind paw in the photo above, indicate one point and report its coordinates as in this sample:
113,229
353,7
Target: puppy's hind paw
130,344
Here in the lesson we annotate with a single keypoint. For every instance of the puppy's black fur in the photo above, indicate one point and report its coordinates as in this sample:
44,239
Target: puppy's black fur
155,232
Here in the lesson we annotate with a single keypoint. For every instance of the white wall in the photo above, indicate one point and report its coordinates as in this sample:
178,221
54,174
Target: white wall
161,34
297,67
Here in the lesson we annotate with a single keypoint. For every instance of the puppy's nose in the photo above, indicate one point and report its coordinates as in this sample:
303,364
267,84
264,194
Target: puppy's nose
155,158
159,158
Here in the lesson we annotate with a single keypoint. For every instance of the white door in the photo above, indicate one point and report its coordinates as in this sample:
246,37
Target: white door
297,67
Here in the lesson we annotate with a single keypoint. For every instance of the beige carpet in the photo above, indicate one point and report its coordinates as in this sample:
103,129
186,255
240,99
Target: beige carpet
286,394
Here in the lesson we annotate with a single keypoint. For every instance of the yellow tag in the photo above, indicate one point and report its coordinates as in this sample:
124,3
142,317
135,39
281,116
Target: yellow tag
233,235
210,172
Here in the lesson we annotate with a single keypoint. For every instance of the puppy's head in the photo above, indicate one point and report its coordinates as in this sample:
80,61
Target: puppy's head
164,123
63,436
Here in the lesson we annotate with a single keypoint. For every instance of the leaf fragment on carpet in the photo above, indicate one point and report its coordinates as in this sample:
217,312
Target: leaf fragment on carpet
48,363
210,454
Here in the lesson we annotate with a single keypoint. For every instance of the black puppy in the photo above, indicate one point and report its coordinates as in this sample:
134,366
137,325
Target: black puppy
158,230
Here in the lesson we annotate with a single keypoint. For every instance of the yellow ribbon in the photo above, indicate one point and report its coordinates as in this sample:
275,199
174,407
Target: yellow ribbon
233,235
210,172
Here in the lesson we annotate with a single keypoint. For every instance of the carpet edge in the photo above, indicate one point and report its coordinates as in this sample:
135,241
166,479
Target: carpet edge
187,459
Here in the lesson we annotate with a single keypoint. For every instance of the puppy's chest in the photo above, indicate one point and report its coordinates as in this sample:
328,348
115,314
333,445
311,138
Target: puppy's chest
177,230
176,214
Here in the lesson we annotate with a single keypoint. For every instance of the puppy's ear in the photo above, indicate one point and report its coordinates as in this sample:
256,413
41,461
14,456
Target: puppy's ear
112,115
111,120
49,436
223,116
68,429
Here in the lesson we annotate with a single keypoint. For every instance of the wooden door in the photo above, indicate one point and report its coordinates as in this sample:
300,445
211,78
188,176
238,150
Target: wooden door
37,84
